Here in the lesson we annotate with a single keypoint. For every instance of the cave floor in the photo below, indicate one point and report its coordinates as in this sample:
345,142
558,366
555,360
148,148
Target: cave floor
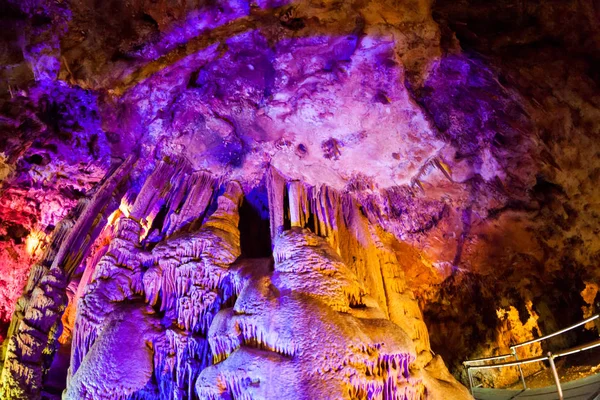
582,389
569,369
580,377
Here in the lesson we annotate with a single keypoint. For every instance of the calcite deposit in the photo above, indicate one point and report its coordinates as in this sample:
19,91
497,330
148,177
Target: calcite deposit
292,199
153,301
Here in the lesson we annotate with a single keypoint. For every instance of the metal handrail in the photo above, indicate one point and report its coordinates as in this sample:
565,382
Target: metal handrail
476,360
577,349
550,357
563,353
510,363
585,321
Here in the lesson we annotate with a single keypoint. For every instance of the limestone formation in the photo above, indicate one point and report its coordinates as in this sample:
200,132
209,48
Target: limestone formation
302,331
194,193
153,306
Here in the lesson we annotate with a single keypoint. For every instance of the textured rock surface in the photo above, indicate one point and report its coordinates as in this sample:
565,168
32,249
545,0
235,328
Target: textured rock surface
151,312
445,152
305,331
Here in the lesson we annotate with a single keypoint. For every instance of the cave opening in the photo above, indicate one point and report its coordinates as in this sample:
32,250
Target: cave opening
254,226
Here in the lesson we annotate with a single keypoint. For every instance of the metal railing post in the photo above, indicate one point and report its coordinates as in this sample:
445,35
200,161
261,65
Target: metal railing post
520,369
470,380
555,373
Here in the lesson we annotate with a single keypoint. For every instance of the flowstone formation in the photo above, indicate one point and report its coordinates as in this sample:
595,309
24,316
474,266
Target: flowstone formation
156,306
405,181
165,308
306,329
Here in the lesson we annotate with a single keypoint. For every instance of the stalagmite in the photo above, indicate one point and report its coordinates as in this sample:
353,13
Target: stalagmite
353,357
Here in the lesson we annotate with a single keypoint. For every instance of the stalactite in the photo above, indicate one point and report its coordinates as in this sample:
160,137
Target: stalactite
178,359
299,210
197,193
183,276
276,190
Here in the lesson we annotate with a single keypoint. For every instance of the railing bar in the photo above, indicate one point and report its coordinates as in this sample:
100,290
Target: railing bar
514,352
510,363
577,349
567,352
470,381
585,321
487,359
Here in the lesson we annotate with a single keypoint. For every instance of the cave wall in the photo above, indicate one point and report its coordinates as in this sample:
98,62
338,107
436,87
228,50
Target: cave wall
462,136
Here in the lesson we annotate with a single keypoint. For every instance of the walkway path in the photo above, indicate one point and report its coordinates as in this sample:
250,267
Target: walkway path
582,389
